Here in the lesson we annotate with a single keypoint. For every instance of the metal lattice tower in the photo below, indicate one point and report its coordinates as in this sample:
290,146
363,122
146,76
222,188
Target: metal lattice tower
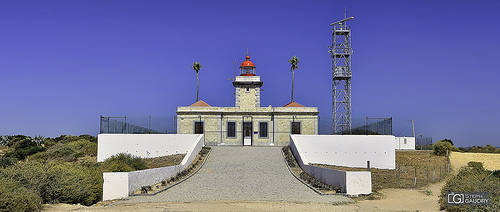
341,52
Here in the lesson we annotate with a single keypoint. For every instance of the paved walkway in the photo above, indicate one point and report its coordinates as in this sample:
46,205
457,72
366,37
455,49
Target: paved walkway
241,173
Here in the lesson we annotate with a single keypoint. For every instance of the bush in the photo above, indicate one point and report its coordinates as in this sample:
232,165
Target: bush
85,146
440,147
21,153
7,161
90,138
135,163
57,151
65,183
497,151
475,165
473,178
15,197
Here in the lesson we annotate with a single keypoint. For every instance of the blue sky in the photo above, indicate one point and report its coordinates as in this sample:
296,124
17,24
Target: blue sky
64,63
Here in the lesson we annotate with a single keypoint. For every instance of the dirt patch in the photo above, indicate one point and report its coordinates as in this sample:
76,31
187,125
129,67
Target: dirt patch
490,161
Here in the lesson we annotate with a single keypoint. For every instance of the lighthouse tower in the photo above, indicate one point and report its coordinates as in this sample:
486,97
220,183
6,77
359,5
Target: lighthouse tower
247,86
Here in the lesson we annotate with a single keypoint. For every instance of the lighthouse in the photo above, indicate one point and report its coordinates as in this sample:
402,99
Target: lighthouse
247,86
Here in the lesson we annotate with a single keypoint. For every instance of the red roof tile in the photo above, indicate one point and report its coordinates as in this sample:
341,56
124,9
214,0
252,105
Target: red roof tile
293,104
200,103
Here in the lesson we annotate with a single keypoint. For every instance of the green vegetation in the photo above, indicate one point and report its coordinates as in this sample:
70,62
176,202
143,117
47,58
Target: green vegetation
479,149
122,162
473,178
64,169
442,146
37,170
57,182
7,161
15,197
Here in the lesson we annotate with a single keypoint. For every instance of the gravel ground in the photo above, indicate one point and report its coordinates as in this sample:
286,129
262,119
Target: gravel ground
241,173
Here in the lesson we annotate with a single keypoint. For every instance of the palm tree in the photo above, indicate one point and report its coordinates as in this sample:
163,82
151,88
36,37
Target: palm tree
196,67
293,62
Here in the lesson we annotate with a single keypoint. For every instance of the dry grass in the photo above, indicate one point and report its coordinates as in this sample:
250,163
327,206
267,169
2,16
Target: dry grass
170,160
430,168
490,161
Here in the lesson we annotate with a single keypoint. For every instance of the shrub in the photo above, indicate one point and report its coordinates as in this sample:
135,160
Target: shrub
57,151
473,179
136,163
15,197
489,149
475,165
13,140
21,153
7,161
440,147
497,151
85,146
116,166
90,138
65,183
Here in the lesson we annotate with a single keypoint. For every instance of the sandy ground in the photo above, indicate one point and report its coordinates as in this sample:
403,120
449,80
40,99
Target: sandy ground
490,161
423,199
395,200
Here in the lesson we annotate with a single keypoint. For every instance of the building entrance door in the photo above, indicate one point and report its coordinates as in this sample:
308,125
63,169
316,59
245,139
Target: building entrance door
247,133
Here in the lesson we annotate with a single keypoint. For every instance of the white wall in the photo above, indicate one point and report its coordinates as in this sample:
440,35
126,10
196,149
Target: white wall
347,150
352,182
143,145
404,143
121,184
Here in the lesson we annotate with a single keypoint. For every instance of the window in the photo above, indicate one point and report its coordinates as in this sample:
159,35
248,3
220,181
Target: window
405,140
263,126
198,127
231,129
295,127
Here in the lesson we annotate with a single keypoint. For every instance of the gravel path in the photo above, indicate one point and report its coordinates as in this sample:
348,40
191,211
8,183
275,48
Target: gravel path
241,173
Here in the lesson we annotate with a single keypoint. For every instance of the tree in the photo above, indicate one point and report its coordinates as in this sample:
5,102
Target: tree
293,62
196,67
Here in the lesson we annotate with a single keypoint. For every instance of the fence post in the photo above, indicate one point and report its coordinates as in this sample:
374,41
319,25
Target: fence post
439,172
433,174
448,161
399,174
415,184
427,175
368,165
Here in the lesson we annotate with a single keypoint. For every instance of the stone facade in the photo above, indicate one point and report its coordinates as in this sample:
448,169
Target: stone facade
276,132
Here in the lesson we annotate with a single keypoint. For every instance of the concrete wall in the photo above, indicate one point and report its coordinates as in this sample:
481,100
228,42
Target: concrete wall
352,182
121,184
143,145
404,143
347,150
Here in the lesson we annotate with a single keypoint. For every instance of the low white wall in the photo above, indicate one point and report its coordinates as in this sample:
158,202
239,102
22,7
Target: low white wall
352,182
143,145
347,150
121,184
404,143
